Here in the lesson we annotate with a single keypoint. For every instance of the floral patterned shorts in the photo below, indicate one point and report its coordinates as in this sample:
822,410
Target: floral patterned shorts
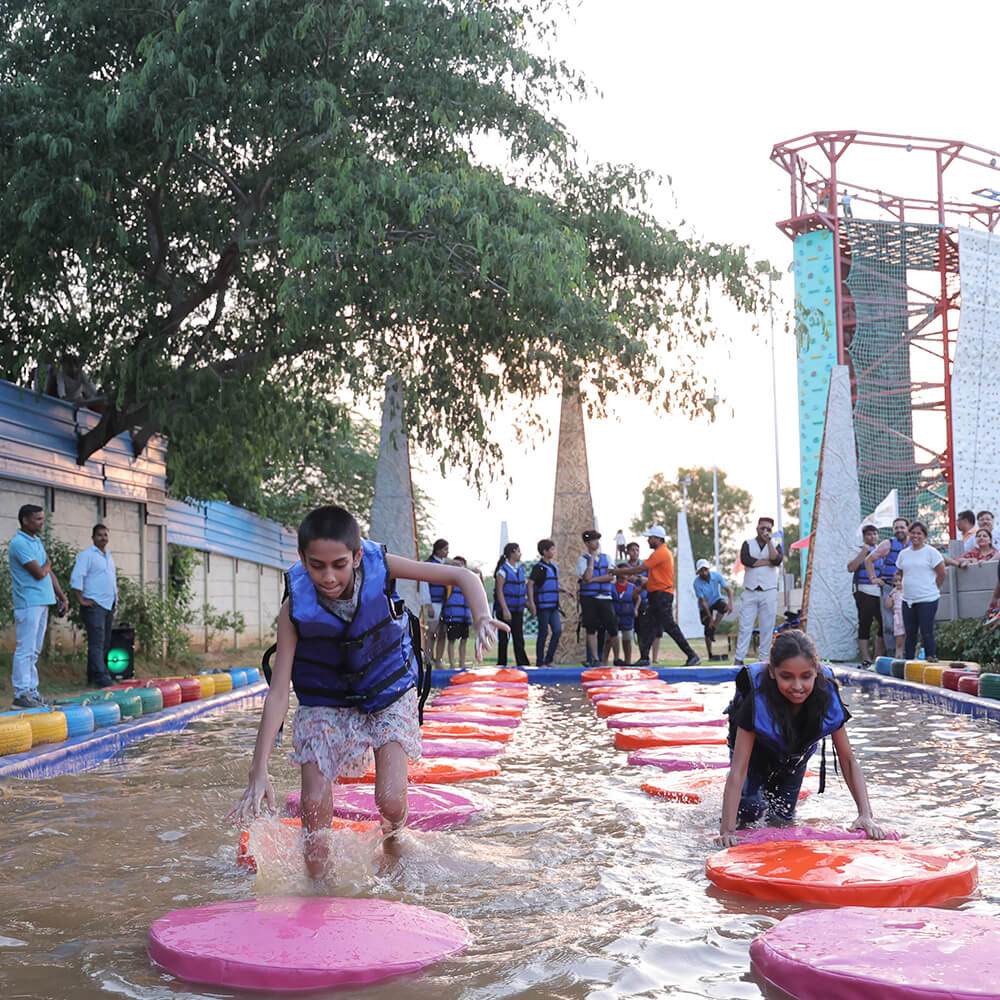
341,740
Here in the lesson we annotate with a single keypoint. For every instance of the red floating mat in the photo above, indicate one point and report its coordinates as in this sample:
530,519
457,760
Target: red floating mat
434,772
616,706
617,674
489,674
899,953
690,787
845,872
669,736
465,730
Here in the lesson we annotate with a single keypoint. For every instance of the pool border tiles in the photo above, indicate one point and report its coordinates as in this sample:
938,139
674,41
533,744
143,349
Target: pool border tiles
83,752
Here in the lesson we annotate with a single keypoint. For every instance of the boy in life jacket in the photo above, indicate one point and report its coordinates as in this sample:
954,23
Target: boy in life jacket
344,645
456,619
626,599
781,711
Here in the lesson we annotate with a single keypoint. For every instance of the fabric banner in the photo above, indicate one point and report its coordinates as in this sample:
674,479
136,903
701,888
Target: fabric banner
975,389
687,604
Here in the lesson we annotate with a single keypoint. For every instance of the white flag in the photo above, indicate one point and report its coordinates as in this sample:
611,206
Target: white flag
884,514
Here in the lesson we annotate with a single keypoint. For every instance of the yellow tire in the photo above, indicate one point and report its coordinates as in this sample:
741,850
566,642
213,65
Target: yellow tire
913,670
223,682
207,682
47,727
15,736
932,674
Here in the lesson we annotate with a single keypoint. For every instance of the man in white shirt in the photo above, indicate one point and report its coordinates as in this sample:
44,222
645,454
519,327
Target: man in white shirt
94,581
984,519
761,559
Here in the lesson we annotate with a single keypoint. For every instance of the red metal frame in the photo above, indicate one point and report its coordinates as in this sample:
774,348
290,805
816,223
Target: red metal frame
813,163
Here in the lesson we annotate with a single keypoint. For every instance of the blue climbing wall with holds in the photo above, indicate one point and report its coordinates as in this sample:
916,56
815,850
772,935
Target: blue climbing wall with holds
816,347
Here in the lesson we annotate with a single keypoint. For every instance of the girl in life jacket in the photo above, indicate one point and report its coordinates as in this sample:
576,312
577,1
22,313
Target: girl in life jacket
781,711
344,645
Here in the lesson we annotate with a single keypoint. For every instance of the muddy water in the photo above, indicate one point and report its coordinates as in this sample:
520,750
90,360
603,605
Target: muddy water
575,885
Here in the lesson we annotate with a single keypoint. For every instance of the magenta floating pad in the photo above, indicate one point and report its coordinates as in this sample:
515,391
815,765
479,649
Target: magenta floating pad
900,953
294,944
444,714
688,758
431,807
637,720
461,748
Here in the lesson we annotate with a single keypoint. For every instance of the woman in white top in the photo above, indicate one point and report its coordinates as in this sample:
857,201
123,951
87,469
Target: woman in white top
923,574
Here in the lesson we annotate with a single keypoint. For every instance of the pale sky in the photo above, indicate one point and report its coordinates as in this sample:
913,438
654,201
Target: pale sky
701,92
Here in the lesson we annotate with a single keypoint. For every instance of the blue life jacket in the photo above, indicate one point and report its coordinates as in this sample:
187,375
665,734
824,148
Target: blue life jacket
547,592
515,589
600,568
861,574
367,663
456,607
886,566
437,590
625,607
644,593
750,683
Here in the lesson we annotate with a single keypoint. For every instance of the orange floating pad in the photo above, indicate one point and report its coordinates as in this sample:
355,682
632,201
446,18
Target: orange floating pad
489,674
510,711
845,872
690,786
617,674
436,771
468,730
669,736
615,706
246,860
520,691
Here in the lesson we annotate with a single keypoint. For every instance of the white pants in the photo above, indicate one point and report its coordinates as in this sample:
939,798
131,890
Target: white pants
29,625
762,605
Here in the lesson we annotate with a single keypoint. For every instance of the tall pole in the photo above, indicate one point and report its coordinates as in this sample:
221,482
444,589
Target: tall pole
774,401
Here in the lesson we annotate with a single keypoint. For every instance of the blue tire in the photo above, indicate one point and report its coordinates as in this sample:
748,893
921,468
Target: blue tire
79,720
239,676
106,713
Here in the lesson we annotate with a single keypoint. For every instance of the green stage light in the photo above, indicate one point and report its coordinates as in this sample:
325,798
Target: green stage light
119,660
120,655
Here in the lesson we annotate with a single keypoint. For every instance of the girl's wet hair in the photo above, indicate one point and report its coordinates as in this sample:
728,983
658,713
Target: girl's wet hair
329,524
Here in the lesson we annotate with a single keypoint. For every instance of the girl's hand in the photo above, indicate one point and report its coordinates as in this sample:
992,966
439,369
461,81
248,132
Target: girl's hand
727,838
486,634
872,830
259,791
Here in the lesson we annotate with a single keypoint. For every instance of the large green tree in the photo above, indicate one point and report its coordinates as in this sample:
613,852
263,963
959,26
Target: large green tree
663,498
217,206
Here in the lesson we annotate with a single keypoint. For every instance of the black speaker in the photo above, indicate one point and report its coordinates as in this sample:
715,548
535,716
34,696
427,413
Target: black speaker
121,653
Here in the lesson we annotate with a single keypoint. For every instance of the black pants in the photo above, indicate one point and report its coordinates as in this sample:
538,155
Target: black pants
516,636
659,618
97,622
869,610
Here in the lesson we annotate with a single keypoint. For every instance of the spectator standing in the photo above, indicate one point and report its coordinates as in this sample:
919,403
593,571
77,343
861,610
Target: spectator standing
708,588
510,599
626,599
620,544
867,596
966,523
983,551
95,583
35,589
923,574
456,617
632,551
597,610
432,598
762,559
881,566
659,617
543,602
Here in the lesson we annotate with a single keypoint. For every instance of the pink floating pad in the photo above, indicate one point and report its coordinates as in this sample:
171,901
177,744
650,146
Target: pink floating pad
462,748
445,714
899,953
770,833
634,720
688,758
292,944
479,699
431,807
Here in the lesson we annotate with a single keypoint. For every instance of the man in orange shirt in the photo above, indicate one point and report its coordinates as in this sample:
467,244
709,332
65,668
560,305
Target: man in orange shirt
659,617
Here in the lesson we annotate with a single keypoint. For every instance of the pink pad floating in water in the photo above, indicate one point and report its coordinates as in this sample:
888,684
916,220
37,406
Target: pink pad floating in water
479,699
444,714
767,834
431,807
462,748
688,758
295,944
900,953
633,720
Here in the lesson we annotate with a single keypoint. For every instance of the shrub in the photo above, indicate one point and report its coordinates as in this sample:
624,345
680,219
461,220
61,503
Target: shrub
967,639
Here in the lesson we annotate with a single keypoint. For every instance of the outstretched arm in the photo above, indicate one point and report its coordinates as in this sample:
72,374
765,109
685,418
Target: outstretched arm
259,789
734,787
856,783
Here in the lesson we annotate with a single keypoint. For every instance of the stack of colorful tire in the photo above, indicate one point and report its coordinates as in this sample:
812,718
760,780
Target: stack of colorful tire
207,683
190,688
913,670
15,735
47,727
968,684
106,713
932,674
129,703
989,686
79,720
239,677
253,675
151,698
169,689
223,681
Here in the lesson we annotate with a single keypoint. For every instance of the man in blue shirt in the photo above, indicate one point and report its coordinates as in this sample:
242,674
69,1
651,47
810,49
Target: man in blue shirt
708,588
95,583
35,589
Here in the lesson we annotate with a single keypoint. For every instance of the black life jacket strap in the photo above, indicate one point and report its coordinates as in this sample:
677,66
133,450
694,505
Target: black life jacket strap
265,666
822,767
423,673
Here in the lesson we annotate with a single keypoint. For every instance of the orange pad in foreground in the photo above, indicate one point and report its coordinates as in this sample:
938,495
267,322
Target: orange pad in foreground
436,771
690,786
845,872
615,706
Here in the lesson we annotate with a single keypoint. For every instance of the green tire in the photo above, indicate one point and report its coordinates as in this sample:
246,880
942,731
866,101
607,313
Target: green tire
989,686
